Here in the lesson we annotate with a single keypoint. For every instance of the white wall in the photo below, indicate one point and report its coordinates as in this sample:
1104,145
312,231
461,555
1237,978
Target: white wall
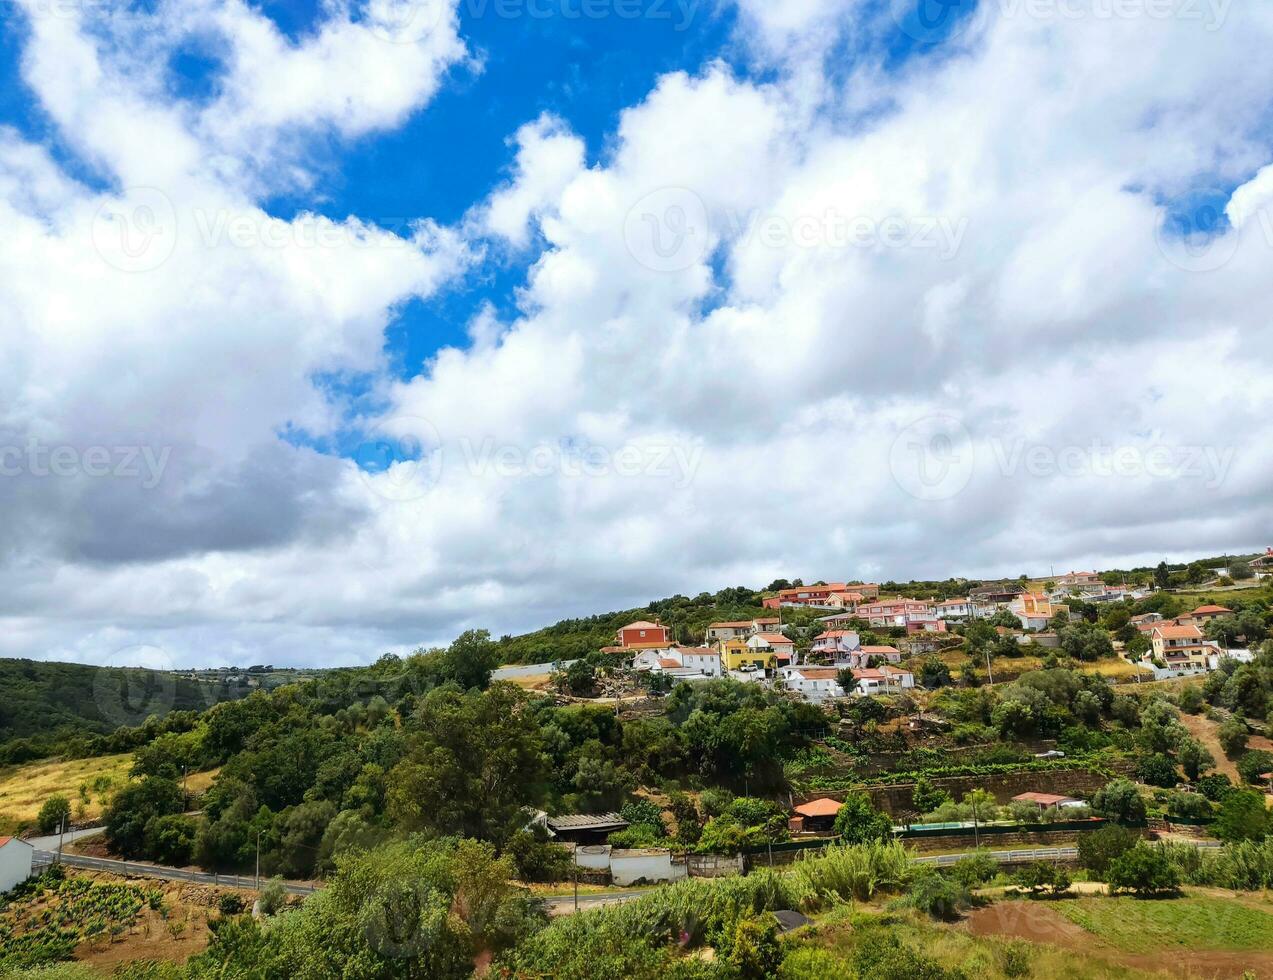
628,867
15,863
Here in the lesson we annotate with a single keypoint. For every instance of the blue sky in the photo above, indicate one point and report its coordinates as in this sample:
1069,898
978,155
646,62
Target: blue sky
1052,264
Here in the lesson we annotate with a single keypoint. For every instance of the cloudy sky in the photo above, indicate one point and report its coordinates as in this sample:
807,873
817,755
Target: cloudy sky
333,327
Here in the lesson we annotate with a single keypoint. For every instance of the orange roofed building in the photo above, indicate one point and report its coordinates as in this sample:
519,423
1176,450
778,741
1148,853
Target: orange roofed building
643,635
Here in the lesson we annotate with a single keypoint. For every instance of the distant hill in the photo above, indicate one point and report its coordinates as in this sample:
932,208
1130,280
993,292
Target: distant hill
46,702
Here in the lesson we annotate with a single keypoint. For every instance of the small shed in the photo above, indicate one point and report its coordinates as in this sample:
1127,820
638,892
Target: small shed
585,828
818,814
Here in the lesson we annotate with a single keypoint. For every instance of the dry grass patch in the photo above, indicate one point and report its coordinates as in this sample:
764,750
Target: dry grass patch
23,789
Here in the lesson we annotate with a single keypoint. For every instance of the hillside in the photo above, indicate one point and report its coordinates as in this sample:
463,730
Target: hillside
46,703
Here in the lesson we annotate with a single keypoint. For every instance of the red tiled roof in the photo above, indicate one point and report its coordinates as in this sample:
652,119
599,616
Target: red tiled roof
885,649
741,624
1178,632
819,808
772,638
641,624
1043,799
1210,609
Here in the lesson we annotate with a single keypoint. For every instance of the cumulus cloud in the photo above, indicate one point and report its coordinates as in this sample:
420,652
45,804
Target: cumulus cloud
981,328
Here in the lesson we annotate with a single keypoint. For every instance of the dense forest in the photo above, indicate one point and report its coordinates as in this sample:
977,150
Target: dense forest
51,707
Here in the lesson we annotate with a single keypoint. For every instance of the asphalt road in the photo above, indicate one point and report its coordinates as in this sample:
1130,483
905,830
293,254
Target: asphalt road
50,843
558,905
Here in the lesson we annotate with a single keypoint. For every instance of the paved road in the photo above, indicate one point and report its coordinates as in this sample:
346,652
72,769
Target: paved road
158,871
50,843
558,905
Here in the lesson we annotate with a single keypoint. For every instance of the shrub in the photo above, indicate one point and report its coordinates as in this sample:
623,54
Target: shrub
1144,870
1157,770
273,897
938,896
1098,849
887,958
974,869
753,949
1193,805
229,903
1214,786
1040,876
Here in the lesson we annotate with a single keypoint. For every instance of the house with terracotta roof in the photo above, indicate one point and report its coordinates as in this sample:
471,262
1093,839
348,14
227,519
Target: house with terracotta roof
1046,801
815,816
848,601
1080,578
783,647
643,635
727,630
1034,611
15,862
812,683
680,663
766,624
915,616
957,609
1205,614
835,643
805,595
1181,647
884,679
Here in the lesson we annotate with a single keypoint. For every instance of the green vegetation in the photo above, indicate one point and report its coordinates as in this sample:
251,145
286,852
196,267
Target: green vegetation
45,918
1195,922
56,708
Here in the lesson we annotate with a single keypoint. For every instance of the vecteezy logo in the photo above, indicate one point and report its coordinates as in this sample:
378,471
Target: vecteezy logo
134,683
933,458
931,21
668,230
404,21
138,232
401,458
1195,233
402,919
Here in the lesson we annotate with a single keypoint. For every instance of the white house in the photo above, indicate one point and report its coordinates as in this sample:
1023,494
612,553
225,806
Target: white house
883,680
704,660
779,644
836,643
15,862
812,683
956,609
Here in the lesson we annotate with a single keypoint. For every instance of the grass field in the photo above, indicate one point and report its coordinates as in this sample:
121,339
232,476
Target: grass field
23,789
1193,923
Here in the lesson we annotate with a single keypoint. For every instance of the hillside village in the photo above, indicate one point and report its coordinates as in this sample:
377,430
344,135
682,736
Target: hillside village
958,737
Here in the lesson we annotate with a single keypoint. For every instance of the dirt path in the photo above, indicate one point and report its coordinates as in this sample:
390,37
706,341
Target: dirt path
1205,731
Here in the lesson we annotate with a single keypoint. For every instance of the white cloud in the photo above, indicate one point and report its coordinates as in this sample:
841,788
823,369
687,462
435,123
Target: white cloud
734,316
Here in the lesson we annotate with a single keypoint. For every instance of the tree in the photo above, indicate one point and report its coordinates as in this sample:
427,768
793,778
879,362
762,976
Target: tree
1098,849
1243,816
133,807
858,822
1144,870
1233,735
1240,571
53,813
1194,758
934,673
470,659
925,797
1215,786
1162,575
1120,800
1255,765
475,761
1157,770
170,839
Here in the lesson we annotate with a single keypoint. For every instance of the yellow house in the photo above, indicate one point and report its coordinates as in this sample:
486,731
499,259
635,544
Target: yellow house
735,653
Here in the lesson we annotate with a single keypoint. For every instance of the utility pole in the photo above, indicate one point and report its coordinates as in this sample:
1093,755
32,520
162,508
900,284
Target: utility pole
576,867
258,860
988,670
61,828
